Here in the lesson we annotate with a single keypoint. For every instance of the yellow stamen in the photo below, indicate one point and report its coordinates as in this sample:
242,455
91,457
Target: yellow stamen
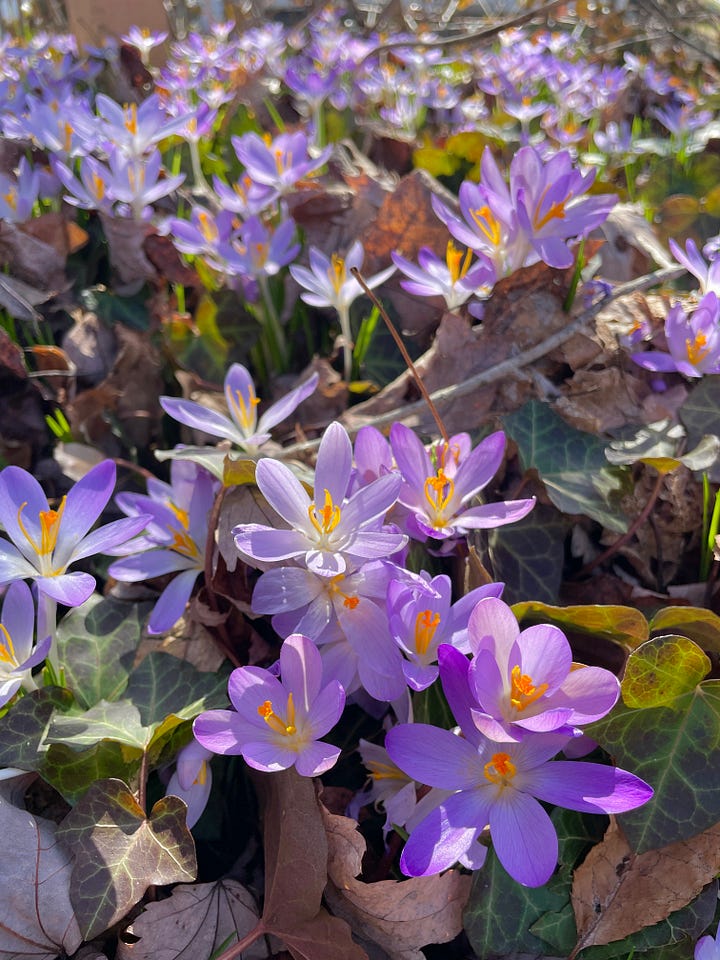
98,186
259,253
7,650
457,266
201,779
184,544
180,514
425,626
207,227
283,161
327,517
350,600
439,491
130,111
385,771
67,144
523,692
49,528
336,273
488,224
243,410
697,349
500,769
11,198
285,727
556,211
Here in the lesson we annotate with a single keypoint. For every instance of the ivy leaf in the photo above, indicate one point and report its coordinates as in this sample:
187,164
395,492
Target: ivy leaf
38,922
697,623
676,749
97,644
662,669
625,626
571,464
24,725
119,852
194,923
119,721
657,444
72,772
701,411
210,458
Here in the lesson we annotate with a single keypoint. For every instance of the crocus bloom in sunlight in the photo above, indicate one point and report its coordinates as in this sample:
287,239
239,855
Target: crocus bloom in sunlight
277,723
242,426
144,40
500,784
45,541
174,540
708,276
192,780
454,279
708,947
17,656
280,163
257,252
524,681
134,129
330,283
693,342
18,194
329,531
436,494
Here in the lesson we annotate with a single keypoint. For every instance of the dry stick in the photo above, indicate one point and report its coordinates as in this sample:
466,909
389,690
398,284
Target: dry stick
405,355
511,366
465,38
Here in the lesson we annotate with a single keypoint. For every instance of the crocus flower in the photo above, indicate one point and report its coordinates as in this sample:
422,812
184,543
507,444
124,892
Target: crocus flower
436,495
708,276
258,253
242,426
45,541
693,342
708,947
173,541
18,194
277,723
134,129
455,279
501,784
524,681
192,780
144,40
137,181
328,532
330,283
90,192
17,655
280,163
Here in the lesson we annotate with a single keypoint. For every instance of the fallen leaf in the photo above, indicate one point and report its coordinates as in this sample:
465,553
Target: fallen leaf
616,893
37,921
31,259
400,917
193,923
119,852
126,240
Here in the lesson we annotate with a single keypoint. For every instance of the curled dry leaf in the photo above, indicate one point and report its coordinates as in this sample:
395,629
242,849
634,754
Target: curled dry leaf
37,920
193,923
400,917
616,893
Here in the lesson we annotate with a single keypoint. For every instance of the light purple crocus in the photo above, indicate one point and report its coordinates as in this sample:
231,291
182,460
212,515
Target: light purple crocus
174,539
259,252
242,427
454,279
45,541
133,129
708,947
501,784
422,617
278,723
525,681
708,276
19,194
17,655
144,40
330,531
192,780
437,494
280,163
693,342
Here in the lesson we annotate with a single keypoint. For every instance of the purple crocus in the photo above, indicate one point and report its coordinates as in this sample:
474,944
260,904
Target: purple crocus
280,163
242,427
46,541
192,780
17,654
277,723
436,494
173,541
693,342
501,784
328,532
259,252
454,279
524,681
144,40
708,276
708,947
19,194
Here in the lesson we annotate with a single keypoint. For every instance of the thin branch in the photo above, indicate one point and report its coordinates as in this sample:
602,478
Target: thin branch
512,365
405,355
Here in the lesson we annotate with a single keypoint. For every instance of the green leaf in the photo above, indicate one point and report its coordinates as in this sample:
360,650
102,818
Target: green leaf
663,669
625,626
657,444
571,464
210,458
701,411
163,686
697,623
118,721
430,706
72,773
119,852
528,556
677,751
97,643
23,727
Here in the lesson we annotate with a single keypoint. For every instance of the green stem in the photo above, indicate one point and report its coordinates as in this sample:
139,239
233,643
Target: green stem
200,182
347,345
272,326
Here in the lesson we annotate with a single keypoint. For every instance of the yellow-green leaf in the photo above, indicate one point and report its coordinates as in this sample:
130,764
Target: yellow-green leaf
238,472
696,623
661,670
623,625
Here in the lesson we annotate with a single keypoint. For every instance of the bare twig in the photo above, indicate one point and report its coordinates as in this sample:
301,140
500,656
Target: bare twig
510,367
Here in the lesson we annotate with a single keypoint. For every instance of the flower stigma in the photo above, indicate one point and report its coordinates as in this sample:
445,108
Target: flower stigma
500,769
327,517
697,348
7,650
439,491
243,410
522,691
285,727
426,623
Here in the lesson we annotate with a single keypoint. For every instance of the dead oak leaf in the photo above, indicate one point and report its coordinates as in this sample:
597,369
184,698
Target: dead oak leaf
616,893
399,916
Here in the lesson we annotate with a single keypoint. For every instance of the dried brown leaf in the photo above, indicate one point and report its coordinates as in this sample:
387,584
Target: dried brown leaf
193,923
31,259
616,893
126,240
400,917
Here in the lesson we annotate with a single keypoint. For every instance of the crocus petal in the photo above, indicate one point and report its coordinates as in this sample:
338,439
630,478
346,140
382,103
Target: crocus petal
588,787
327,708
494,514
454,668
493,626
301,670
334,463
268,757
316,759
285,588
286,405
478,469
18,617
372,501
86,500
196,796
545,655
110,535
591,692
445,835
268,545
433,756
13,565
150,563
201,418
284,492
71,589
214,730
8,689
523,837
21,496
172,601
410,455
